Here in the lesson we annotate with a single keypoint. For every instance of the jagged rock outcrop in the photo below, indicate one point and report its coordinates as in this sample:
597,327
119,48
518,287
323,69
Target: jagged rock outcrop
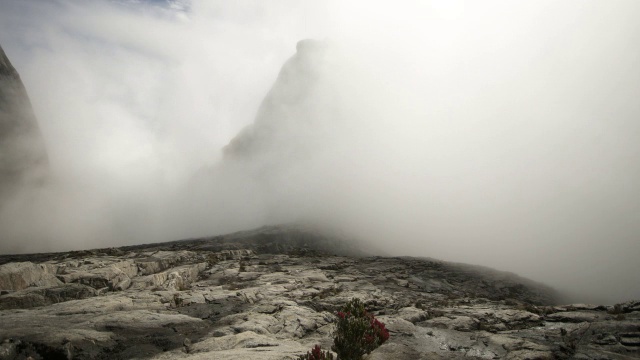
240,296
23,157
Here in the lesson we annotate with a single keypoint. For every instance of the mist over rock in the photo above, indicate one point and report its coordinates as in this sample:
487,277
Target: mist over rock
23,156
271,170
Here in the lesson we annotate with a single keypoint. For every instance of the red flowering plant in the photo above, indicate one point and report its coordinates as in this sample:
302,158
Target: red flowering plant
317,354
357,332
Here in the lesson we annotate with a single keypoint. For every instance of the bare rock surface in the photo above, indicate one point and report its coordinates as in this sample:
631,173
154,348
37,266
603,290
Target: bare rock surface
271,293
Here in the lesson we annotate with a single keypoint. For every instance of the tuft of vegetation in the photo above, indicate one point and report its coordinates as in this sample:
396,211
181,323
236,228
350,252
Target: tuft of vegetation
317,354
357,333
617,309
212,259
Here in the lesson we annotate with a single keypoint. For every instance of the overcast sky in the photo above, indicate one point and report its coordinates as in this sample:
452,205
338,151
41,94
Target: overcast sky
498,133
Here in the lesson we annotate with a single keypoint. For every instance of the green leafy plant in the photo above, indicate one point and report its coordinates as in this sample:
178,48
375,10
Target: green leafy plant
316,354
357,332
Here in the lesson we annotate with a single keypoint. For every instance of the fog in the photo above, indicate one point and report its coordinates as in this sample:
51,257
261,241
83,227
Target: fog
499,133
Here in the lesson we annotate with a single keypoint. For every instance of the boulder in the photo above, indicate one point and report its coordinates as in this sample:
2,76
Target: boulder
21,275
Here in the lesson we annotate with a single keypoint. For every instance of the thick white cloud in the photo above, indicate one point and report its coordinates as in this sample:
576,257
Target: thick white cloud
496,132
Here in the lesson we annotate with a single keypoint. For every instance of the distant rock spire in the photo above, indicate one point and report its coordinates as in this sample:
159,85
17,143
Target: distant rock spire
290,114
23,157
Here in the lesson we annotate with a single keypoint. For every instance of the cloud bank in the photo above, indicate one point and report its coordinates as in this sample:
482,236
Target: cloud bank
492,133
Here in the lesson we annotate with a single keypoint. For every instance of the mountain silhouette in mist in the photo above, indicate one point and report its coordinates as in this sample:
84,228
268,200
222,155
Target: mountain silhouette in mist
23,156
292,111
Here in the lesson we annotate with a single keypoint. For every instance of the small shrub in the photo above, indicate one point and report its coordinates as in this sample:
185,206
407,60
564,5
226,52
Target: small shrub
212,259
357,332
177,300
617,309
316,354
